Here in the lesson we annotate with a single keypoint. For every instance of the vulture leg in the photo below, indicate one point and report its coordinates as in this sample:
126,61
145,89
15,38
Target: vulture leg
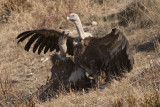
93,73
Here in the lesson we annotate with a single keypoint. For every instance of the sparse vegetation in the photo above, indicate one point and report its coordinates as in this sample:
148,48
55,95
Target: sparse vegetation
23,73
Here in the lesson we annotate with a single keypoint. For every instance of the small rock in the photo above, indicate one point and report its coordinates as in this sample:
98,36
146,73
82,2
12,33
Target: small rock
94,23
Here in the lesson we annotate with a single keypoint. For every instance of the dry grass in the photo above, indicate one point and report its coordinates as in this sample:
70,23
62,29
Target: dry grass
134,90
23,73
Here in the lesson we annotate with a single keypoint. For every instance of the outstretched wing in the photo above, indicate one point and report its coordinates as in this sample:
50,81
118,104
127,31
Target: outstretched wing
116,52
44,39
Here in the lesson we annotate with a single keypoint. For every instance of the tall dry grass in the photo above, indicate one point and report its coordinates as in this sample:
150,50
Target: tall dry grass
22,73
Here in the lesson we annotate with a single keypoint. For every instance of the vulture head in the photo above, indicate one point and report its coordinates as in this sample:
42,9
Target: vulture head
73,17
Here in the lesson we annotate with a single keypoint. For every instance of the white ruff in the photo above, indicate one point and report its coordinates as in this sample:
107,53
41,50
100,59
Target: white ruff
77,75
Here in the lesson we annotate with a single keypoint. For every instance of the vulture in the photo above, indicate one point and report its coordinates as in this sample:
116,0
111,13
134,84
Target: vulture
64,70
92,55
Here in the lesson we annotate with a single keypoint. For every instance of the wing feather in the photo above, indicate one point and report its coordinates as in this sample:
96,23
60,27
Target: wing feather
116,54
26,35
115,51
22,34
42,45
70,47
52,46
119,50
37,44
30,42
45,39
56,45
47,45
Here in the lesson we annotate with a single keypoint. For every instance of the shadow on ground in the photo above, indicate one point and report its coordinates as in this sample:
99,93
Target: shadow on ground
145,47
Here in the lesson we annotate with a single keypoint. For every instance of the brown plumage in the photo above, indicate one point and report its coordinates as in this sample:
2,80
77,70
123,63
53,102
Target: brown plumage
61,69
111,54
45,39
65,72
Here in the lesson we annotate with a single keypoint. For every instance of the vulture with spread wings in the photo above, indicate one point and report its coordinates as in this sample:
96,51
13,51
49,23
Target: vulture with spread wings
110,53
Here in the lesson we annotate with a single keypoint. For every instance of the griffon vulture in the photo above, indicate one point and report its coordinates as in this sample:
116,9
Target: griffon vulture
110,53
64,70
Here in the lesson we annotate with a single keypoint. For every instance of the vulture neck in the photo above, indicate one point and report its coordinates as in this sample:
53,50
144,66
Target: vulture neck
80,29
63,48
63,52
